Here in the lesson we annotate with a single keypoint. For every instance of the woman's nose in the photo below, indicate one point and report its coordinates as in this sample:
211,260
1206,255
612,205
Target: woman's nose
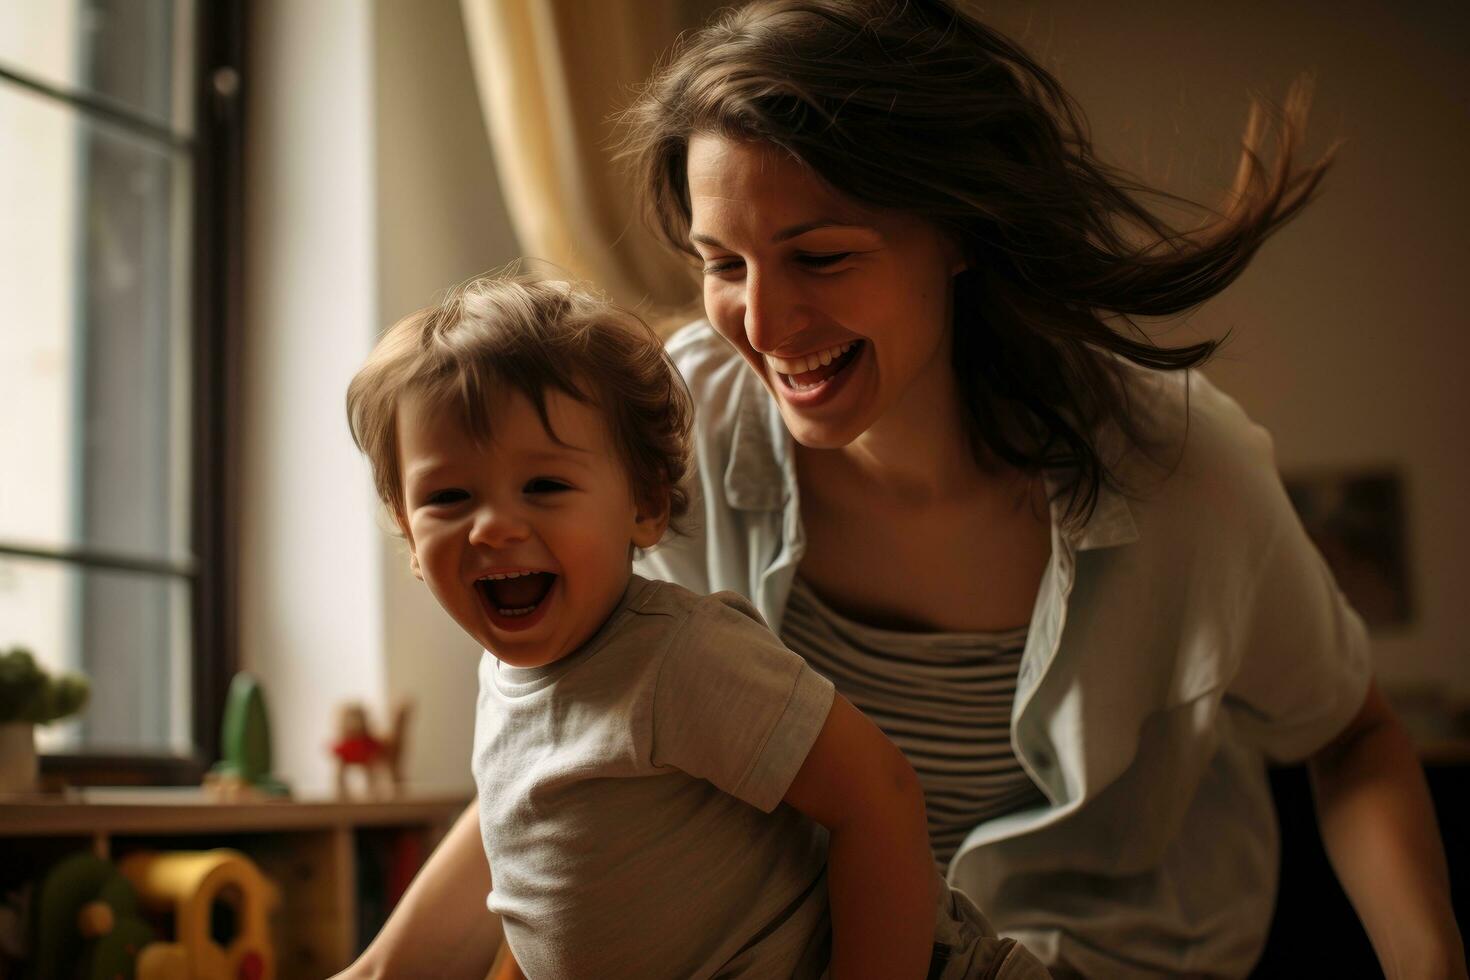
497,527
773,311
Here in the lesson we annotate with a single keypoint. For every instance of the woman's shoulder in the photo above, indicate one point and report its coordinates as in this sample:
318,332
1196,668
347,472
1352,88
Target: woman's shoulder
1199,451
1182,407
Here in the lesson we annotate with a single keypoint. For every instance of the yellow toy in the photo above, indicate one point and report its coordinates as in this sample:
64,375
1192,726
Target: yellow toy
191,885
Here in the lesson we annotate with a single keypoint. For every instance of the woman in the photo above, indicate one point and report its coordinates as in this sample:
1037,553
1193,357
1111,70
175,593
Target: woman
1052,563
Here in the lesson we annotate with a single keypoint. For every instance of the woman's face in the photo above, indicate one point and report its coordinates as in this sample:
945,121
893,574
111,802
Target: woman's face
843,311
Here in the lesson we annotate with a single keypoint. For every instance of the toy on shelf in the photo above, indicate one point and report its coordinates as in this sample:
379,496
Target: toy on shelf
220,904
85,923
380,757
244,772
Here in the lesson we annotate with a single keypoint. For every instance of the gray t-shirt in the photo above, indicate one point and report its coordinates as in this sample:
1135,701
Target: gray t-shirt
630,797
631,805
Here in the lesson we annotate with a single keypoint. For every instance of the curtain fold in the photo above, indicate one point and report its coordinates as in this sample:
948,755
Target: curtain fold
550,74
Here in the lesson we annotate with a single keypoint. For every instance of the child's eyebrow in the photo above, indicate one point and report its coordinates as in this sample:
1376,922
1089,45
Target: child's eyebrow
561,446
563,453
430,469
426,470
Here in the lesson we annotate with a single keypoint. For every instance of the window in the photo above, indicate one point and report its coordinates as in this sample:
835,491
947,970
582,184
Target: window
119,178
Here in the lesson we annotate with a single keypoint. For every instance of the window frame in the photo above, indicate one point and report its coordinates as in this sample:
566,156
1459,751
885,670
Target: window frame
216,278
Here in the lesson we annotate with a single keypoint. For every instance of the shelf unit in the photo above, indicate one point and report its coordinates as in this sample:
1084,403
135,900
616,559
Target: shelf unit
312,849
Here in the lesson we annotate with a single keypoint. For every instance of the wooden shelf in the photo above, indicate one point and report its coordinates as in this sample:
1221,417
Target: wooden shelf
310,848
167,812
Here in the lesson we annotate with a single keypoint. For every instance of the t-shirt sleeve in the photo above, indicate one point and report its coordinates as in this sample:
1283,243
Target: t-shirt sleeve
734,706
1305,660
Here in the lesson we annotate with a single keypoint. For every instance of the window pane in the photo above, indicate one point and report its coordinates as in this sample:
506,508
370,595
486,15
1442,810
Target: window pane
94,353
128,632
137,53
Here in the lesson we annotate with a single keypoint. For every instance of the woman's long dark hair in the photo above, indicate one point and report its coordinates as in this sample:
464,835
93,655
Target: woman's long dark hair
915,106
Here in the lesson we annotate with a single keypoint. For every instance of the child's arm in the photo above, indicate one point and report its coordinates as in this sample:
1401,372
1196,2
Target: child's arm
880,876
441,927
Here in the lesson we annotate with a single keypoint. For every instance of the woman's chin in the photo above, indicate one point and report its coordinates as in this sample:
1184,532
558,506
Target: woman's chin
812,433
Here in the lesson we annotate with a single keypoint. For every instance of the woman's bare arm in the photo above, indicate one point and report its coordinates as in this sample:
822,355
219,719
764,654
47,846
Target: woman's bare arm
441,927
1378,826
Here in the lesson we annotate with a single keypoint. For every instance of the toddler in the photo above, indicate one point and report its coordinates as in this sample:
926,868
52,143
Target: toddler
664,789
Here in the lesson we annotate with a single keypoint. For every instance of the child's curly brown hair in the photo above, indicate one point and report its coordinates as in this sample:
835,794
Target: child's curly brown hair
526,333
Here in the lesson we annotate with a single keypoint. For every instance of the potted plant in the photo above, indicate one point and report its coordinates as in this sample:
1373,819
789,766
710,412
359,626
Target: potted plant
29,696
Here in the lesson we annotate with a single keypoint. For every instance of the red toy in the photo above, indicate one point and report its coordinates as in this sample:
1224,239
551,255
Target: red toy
380,757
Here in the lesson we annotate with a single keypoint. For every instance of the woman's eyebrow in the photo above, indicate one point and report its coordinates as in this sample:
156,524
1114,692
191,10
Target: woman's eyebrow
796,231
786,234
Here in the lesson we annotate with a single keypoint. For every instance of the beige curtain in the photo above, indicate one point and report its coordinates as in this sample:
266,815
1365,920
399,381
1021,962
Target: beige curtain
550,73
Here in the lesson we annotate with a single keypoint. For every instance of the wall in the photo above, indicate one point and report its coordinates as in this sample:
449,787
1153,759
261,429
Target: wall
310,566
1349,332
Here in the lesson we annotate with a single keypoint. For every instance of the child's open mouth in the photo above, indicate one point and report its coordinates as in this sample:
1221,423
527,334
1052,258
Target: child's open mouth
516,600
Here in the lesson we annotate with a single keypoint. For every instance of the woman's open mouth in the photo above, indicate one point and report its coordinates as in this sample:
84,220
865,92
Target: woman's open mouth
516,600
809,378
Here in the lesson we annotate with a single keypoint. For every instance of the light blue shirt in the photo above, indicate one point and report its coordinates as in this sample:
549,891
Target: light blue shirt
1183,635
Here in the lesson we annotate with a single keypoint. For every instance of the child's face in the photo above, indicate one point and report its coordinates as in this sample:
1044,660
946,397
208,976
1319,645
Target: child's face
561,519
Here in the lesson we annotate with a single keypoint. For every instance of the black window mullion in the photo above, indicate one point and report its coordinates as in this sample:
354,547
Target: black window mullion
219,107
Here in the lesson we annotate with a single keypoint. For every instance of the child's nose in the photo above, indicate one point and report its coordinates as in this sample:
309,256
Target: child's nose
496,527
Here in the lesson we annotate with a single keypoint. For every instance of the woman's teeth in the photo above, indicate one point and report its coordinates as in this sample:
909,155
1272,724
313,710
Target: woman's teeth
801,365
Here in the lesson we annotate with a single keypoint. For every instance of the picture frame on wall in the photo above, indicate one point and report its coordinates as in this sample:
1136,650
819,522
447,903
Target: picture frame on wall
1356,519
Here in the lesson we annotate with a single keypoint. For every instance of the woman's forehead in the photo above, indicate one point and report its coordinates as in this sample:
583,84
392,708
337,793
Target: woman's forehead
728,178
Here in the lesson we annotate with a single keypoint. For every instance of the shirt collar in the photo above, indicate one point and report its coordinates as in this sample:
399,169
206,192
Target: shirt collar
1111,523
756,476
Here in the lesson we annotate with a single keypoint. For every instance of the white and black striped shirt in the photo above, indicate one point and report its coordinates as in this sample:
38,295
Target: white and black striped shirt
943,698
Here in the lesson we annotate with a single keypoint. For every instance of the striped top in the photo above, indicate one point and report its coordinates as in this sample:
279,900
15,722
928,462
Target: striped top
943,698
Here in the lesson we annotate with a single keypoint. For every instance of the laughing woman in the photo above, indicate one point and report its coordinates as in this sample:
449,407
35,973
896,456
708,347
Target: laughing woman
1044,554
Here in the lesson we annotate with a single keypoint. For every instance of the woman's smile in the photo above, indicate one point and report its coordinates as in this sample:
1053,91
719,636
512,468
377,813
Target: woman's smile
843,310
807,384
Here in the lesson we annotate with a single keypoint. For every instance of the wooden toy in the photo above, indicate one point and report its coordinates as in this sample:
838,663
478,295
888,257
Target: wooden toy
86,923
380,757
196,887
244,772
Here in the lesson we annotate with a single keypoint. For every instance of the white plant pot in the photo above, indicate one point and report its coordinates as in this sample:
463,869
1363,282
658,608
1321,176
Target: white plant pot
18,767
